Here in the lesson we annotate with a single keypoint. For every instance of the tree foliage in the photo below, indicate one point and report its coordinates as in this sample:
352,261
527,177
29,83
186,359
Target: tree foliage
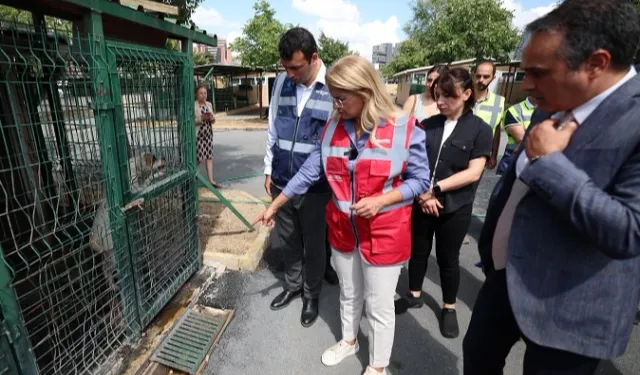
202,58
460,29
410,55
451,30
16,16
185,8
258,45
331,50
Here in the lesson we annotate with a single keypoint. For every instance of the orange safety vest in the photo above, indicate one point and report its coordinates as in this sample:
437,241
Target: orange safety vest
386,238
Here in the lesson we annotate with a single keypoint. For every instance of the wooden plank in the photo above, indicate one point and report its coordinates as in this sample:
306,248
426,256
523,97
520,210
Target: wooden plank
152,6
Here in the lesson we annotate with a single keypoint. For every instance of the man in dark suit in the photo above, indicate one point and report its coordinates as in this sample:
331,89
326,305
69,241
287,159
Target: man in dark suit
561,239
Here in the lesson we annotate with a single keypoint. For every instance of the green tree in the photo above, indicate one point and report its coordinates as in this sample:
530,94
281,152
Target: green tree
258,45
185,8
443,31
410,55
202,58
11,15
331,50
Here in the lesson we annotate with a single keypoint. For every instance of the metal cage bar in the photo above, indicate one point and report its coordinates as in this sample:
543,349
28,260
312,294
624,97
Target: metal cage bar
98,195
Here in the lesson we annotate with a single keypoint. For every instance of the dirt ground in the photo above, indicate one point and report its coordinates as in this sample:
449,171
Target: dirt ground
220,230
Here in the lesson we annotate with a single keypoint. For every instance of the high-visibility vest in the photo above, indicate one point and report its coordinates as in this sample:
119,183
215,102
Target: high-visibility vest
490,109
297,136
522,113
386,238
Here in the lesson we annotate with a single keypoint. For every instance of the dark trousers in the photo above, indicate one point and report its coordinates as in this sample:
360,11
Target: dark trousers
493,331
449,230
300,229
328,249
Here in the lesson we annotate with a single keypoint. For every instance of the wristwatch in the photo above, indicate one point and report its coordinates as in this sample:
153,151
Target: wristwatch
436,189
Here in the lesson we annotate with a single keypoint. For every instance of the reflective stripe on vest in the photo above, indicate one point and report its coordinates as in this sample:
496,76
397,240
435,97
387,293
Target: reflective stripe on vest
396,155
490,109
522,113
297,135
386,237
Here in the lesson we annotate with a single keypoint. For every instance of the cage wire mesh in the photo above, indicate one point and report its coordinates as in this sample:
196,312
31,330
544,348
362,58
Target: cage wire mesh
162,234
81,294
52,186
7,362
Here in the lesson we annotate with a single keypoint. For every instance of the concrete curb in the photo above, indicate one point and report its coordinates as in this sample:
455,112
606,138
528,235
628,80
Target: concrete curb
246,262
246,128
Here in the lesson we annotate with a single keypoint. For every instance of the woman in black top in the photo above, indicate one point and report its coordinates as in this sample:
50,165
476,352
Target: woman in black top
458,146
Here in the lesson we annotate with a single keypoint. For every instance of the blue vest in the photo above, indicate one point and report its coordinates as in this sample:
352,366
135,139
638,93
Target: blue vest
298,136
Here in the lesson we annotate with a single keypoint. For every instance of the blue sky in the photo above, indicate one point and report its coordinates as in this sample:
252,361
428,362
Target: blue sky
361,23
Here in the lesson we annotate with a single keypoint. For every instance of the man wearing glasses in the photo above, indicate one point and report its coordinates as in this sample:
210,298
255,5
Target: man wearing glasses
299,108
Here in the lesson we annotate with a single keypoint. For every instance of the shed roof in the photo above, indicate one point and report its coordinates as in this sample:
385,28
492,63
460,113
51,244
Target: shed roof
224,69
119,21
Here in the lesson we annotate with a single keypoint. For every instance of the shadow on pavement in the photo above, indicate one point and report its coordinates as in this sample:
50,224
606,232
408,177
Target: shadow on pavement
411,338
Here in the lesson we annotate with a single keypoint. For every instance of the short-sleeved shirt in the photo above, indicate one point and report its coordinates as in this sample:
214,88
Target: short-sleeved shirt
509,119
472,138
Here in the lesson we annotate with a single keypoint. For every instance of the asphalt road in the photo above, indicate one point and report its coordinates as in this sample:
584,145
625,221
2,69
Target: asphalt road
261,341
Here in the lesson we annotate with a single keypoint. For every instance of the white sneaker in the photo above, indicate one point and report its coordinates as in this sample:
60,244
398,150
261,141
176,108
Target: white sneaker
371,371
338,352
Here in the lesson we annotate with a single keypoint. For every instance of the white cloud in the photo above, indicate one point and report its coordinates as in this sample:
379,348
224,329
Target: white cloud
340,19
206,17
523,16
362,36
328,9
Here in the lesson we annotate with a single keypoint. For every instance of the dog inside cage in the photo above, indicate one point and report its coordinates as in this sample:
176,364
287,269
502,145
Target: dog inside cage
87,273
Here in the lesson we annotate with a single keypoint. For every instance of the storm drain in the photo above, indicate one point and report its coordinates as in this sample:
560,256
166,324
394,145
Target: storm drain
189,341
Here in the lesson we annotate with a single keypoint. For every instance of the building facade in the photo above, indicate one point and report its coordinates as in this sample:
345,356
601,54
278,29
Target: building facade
221,54
383,53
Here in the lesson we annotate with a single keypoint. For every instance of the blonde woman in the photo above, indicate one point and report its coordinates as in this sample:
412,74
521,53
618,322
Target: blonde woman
422,106
375,161
204,120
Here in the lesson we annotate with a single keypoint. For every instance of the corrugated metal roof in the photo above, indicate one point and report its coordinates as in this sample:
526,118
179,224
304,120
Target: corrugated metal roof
425,68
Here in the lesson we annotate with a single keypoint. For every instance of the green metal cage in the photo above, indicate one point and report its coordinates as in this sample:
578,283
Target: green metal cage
98,200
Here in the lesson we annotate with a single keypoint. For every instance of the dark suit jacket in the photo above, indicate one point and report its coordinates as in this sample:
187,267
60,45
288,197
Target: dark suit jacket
573,270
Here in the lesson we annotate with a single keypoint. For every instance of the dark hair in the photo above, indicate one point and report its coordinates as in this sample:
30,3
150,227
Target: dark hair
436,69
447,82
589,25
201,86
482,62
297,39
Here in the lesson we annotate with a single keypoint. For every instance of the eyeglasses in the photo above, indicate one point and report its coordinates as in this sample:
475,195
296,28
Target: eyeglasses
339,103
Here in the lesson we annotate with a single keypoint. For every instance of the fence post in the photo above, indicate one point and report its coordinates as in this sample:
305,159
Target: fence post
15,329
110,125
187,129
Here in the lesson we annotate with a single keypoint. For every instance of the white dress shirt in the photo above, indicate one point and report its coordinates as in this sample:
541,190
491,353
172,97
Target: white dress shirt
303,93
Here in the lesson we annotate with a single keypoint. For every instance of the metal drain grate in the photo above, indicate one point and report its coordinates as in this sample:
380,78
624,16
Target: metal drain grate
189,341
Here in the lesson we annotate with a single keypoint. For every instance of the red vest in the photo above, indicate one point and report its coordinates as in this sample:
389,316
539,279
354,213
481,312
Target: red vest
386,238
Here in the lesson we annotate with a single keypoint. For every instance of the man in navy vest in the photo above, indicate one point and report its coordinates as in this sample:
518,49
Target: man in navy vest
299,108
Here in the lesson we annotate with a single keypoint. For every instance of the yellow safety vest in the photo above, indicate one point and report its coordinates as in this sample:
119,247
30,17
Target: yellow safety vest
490,109
522,113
